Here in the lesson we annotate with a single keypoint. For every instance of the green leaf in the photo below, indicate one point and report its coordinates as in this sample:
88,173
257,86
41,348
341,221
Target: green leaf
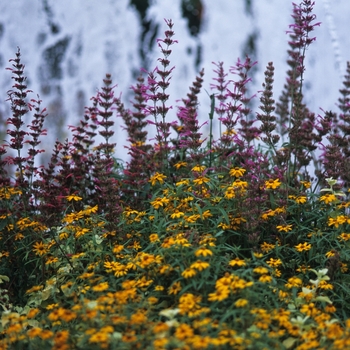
4,279
289,342
323,298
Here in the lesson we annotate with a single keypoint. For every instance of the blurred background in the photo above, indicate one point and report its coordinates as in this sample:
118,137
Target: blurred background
68,46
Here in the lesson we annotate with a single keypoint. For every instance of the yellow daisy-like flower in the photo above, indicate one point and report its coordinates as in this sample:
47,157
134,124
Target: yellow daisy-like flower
201,180
274,262
284,228
301,247
237,262
241,302
175,288
203,252
73,198
219,294
183,331
100,287
177,214
200,265
309,309
237,172
182,182
266,247
339,220
344,236
159,202
328,198
272,184
261,270
306,184
294,282
330,253
265,279
178,165
300,199
198,168
188,273
157,177
153,238
39,248
240,184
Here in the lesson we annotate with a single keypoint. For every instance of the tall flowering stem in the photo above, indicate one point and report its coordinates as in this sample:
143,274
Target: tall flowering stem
158,81
19,108
190,136
233,107
36,130
296,120
139,167
267,119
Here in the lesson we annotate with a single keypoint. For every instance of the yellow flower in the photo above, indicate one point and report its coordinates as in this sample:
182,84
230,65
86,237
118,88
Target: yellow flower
201,180
34,289
303,268
339,220
118,248
274,262
81,232
237,172
183,331
261,270
203,252
178,165
266,247
240,184
100,287
138,318
40,248
73,198
200,265
330,309
306,184
328,198
230,192
174,288
265,279
285,228
34,332
330,253
344,236
241,302
159,202
198,168
177,214
153,238
325,285
309,309
206,214
188,273
182,182
294,282
303,247
32,313
237,262
301,199
51,260
219,294
157,177
19,236
272,184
